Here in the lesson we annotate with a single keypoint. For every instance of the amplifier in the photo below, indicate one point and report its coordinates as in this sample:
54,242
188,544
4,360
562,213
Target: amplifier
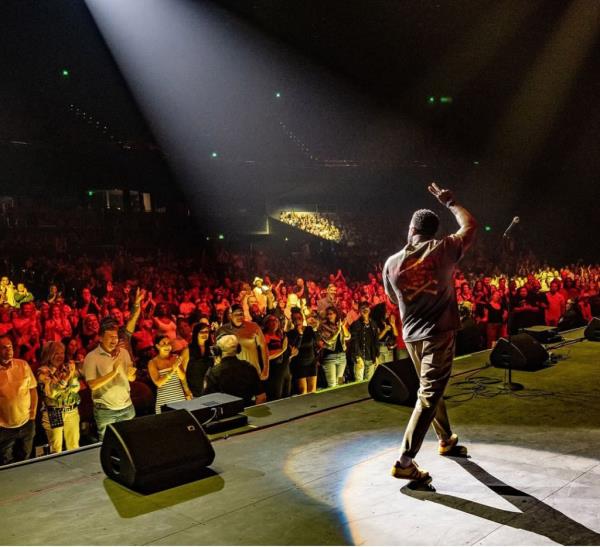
543,334
215,406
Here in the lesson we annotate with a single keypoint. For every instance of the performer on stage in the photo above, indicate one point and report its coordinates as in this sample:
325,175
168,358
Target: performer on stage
419,280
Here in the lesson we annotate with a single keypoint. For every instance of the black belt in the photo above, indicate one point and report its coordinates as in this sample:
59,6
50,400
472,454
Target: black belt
64,408
104,407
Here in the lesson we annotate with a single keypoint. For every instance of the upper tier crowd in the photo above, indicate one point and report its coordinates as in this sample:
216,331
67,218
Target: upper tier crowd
318,224
111,339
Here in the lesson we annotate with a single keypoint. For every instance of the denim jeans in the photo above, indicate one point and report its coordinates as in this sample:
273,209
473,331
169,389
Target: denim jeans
105,416
334,365
16,443
363,370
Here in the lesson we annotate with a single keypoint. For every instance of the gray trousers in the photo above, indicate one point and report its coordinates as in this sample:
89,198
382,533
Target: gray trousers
433,360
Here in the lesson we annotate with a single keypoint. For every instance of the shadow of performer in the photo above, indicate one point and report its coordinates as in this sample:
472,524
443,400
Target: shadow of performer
534,516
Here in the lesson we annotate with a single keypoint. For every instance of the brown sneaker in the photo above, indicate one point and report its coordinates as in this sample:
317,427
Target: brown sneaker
411,473
449,445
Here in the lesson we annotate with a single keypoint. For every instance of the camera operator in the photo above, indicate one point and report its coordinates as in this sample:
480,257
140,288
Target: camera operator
233,375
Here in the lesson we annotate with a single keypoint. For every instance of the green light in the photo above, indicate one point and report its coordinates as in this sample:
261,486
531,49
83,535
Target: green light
221,236
90,193
65,73
488,228
207,238
475,162
214,155
445,100
431,100
278,95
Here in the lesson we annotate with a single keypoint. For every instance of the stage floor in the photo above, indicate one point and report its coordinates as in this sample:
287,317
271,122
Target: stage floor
533,475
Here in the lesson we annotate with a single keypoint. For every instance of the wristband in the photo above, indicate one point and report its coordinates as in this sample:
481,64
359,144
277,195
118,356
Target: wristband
451,203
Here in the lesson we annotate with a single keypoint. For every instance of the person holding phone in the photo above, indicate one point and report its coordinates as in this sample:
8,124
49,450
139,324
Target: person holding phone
333,335
303,364
59,386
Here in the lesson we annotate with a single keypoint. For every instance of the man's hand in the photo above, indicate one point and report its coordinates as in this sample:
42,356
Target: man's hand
140,294
444,196
177,364
131,373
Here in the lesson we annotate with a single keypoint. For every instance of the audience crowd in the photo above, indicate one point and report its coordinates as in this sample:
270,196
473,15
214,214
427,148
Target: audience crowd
101,340
322,225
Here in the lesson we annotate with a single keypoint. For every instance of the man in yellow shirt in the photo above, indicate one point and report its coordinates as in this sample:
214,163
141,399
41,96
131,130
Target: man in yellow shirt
18,405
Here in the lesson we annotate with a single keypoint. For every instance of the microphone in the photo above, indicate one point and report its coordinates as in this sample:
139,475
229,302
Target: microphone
514,222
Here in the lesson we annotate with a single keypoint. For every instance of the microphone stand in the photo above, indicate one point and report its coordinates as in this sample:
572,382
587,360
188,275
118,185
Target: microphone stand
510,385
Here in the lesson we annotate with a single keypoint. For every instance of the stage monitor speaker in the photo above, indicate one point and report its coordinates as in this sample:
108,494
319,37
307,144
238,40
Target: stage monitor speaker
395,382
156,452
592,331
521,352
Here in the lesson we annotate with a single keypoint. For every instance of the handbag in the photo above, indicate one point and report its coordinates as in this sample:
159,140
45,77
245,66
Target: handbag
55,417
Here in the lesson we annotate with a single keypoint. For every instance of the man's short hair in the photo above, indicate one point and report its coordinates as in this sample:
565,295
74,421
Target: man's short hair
236,307
108,323
228,344
425,222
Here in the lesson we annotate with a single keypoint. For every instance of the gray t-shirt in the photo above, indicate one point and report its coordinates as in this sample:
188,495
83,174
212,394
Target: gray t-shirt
115,394
419,279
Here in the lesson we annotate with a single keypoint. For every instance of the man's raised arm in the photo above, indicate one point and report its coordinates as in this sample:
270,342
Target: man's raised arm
466,221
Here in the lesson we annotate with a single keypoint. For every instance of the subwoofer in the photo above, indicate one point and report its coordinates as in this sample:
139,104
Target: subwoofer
521,352
592,331
156,452
395,382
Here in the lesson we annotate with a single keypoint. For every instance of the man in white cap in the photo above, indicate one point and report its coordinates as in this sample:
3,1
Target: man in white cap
251,339
259,291
232,375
